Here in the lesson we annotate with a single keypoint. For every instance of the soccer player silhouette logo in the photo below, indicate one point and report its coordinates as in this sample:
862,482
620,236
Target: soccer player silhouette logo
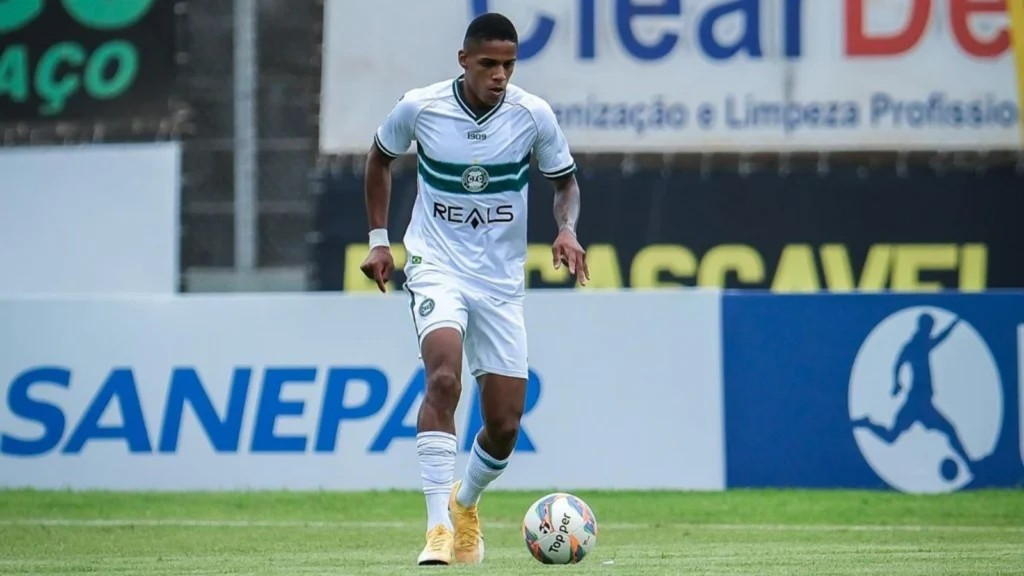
918,403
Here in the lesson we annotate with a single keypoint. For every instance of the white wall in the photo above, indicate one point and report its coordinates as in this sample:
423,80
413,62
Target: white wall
89,219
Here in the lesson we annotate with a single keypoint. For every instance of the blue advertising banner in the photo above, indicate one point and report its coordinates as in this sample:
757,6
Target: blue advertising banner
915,393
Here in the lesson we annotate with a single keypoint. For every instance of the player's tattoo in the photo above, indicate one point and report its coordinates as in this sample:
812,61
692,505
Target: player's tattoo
567,204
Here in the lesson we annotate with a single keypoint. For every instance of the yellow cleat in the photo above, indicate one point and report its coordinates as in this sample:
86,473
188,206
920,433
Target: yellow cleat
469,540
438,550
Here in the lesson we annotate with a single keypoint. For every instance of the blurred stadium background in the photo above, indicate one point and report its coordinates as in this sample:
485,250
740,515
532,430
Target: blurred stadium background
265,207
181,199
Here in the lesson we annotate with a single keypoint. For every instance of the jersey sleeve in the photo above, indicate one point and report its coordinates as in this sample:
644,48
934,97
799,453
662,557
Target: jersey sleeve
396,133
552,149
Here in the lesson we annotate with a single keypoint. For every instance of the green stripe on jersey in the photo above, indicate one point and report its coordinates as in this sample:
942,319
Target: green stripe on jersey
474,180
457,170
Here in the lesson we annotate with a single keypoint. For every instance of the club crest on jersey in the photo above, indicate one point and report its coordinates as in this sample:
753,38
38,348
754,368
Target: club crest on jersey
475,179
426,307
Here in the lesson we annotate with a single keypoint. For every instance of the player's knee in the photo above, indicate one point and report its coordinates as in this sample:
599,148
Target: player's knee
503,430
443,389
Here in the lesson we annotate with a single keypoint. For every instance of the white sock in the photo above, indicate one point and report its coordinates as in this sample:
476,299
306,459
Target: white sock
436,454
481,470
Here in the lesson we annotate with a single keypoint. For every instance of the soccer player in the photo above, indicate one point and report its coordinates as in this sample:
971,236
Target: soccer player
466,245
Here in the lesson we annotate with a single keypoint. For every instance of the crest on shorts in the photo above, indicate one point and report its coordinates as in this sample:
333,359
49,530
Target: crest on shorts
426,307
475,179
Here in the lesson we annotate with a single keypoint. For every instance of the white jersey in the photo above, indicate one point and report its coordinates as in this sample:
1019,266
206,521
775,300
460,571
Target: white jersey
469,218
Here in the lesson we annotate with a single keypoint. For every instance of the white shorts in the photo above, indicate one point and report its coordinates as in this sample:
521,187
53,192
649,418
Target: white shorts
493,330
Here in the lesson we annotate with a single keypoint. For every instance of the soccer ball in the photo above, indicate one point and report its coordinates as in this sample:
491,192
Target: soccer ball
559,529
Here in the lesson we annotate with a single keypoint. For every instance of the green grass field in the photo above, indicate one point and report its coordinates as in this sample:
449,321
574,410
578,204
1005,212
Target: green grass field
663,533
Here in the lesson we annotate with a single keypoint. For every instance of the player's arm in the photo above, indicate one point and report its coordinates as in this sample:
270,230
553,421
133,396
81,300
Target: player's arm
393,137
378,187
567,202
558,166
566,248
379,263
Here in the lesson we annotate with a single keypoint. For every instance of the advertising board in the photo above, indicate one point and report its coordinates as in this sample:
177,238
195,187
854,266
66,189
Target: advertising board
86,60
917,393
322,391
701,75
850,229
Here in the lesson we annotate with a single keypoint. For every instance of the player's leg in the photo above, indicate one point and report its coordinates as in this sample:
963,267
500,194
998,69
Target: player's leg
439,315
435,424
496,350
502,399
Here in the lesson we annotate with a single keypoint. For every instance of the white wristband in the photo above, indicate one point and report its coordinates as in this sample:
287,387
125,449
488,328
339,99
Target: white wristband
379,237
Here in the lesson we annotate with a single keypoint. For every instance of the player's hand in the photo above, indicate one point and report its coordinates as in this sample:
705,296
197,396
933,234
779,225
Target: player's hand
567,250
378,266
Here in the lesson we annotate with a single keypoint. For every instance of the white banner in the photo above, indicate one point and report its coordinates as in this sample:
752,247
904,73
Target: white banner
322,391
90,219
701,75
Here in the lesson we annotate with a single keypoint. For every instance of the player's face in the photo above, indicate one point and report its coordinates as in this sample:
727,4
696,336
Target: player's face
488,65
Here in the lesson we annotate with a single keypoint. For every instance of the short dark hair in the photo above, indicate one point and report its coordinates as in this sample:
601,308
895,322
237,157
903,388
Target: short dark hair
490,26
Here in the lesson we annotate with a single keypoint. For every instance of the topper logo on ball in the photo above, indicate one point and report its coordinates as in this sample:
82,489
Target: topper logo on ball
562,536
